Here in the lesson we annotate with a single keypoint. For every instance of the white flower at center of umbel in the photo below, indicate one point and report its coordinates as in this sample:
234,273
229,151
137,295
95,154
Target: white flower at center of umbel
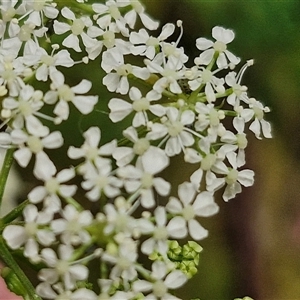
30,228
208,161
77,27
160,233
259,113
159,288
52,185
137,6
169,73
62,267
124,70
242,140
188,212
152,41
141,146
114,12
102,181
108,39
8,14
25,108
220,46
47,60
91,152
232,176
147,180
175,128
206,76
39,5
25,32
34,144
141,104
65,92
8,75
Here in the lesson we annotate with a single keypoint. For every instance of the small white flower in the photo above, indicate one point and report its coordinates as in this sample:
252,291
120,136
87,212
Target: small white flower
234,179
187,208
140,180
52,189
29,234
90,149
119,108
222,37
163,281
72,225
173,131
61,268
160,232
30,144
64,94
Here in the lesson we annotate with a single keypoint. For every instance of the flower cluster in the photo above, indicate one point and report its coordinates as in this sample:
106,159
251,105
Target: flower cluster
193,113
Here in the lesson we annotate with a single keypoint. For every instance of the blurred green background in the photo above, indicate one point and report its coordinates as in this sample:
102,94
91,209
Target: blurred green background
254,243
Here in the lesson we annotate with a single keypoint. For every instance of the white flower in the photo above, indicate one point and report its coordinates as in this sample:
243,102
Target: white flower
163,281
76,29
141,180
113,59
140,105
234,178
208,116
90,149
37,9
173,131
99,179
72,225
138,9
259,125
187,208
238,91
48,63
52,189
30,144
28,235
211,82
24,111
65,94
143,44
62,268
11,72
222,37
123,260
118,217
170,71
160,232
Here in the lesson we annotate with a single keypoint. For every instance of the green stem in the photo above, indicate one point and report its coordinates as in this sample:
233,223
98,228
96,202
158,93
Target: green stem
7,163
15,213
12,264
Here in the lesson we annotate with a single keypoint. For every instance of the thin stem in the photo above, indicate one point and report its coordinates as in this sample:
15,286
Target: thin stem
12,264
7,163
16,212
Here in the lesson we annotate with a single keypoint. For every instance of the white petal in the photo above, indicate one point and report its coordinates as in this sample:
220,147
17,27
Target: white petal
119,109
197,232
175,279
157,155
14,236
85,104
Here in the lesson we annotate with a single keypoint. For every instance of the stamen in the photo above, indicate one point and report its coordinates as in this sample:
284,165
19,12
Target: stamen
243,69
